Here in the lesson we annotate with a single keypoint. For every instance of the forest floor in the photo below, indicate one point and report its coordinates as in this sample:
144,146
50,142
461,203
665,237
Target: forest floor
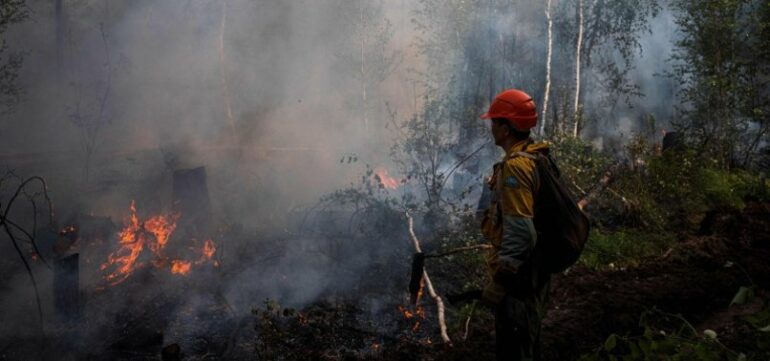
696,278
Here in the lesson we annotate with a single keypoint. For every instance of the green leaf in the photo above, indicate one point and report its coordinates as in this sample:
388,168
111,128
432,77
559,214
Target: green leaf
610,343
744,295
765,329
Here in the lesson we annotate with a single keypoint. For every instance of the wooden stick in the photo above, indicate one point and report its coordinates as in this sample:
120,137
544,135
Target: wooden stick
604,182
459,250
429,284
468,322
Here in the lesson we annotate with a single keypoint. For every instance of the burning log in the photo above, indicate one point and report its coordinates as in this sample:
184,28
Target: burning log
429,284
66,287
415,281
418,266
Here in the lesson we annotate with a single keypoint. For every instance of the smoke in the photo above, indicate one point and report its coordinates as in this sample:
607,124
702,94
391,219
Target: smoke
268,96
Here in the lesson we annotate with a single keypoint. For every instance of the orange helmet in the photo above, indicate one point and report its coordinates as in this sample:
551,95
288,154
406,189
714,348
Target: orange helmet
516,106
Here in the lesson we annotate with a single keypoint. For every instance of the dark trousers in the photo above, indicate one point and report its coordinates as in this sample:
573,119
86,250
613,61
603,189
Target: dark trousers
518,319
517,328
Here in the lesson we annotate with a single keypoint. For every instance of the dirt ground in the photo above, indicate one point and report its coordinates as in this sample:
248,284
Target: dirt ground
697,279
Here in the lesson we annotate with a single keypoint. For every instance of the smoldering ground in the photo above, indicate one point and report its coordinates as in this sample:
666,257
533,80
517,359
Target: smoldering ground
268,96
260,93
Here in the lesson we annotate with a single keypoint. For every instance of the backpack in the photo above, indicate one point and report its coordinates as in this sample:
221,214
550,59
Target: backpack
562,228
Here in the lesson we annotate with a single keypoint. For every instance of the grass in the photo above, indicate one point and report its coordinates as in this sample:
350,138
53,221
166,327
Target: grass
622,248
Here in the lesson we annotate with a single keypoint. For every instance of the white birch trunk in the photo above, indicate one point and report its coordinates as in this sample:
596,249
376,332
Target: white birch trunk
429,285
577,68
223,71
547,67
363,69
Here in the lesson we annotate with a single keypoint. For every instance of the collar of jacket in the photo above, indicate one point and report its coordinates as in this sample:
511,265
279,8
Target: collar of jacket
520,146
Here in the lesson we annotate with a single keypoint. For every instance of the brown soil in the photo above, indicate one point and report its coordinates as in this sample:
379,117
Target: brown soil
693,279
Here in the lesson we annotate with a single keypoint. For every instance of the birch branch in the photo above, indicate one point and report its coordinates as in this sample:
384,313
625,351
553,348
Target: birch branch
429,285
604,182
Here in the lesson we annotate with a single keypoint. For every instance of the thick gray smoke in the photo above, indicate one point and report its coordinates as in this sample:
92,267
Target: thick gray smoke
269,96
266,95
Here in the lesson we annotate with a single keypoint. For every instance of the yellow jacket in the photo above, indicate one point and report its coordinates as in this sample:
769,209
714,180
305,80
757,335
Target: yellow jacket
507,224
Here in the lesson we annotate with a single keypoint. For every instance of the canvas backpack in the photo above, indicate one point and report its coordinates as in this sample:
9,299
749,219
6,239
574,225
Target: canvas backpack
562,228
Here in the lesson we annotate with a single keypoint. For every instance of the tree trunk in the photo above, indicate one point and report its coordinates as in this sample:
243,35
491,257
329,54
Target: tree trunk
223,71
59,14
577,69
547,67
363,70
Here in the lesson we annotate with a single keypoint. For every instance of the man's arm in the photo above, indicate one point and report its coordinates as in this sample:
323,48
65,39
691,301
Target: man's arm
517,206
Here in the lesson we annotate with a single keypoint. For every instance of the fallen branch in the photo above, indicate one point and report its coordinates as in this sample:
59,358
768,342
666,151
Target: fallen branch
604,182
6,223
429,285
458,250
468,322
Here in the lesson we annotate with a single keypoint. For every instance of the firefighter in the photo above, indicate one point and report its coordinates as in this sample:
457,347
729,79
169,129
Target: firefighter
515,289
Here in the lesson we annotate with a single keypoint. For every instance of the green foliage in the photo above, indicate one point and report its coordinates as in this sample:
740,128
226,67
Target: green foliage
622,248
760,323
744,295
579,162
672,189
664,337
428,153
723,60
11,12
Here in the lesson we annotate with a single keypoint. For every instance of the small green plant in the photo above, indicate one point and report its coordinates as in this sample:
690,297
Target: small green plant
665,337
622,248
760,322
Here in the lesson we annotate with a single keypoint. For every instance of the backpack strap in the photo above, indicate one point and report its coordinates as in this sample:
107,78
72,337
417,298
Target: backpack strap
536,175
523,154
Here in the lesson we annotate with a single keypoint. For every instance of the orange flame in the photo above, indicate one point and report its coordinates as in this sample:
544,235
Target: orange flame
419,312
417,315
207,253
153,234
386,180
209,249
180,267
133,238
161,227
131,245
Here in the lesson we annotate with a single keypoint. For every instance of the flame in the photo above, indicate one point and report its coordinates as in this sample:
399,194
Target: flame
302,319
209,248
67,230
207,253
180,267
133,238
131,244
386,180
416,326
153,234
161,227
417,315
